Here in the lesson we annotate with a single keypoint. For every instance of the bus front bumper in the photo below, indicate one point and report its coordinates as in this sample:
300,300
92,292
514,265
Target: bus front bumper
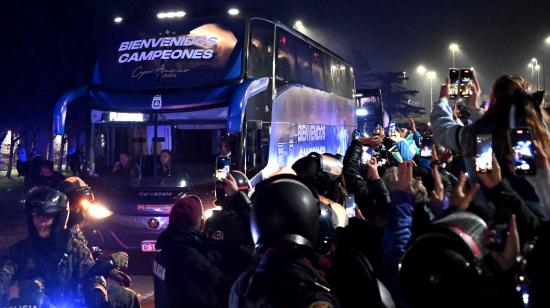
125,232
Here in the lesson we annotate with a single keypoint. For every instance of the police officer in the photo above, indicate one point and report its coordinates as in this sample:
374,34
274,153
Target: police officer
186,270
285,224
80,196
231,224
52,255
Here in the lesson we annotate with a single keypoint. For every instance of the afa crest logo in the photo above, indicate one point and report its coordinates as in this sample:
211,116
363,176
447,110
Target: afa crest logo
156,103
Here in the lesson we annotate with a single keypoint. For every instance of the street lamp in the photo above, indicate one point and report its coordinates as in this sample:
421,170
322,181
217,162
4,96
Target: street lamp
454,48
547,40
299,26
535,63
431,76
170,15
233,11
421,70
532,67
537,68
117,19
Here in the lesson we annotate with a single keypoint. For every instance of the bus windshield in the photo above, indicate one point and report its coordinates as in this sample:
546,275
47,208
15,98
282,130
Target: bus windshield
185,155
171,54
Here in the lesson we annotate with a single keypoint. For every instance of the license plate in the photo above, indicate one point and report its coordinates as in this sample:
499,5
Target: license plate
148,246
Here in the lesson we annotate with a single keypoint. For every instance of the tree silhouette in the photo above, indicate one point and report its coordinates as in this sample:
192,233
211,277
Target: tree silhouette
397,98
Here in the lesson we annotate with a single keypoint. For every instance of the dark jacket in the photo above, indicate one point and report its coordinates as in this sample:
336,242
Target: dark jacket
354,278
231,224
508,202
368,194
62,270
192,274
284,278
363,236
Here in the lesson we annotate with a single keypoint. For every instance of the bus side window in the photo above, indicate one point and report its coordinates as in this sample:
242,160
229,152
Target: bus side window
318,77
331,70
260,57
257,146
349,82
338,77
303,64
286,59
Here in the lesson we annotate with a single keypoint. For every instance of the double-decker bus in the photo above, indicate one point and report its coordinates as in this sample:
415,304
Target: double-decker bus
188,85
370,110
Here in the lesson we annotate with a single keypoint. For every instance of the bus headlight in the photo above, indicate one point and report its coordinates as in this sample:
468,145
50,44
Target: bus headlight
208,213
98,211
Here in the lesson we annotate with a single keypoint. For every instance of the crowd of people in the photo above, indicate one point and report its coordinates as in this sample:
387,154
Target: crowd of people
382,226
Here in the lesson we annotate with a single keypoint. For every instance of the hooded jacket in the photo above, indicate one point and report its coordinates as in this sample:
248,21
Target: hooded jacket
193,276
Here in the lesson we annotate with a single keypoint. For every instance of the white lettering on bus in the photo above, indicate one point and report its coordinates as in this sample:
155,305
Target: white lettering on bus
123,58
203,51
310,132
207,54
166,54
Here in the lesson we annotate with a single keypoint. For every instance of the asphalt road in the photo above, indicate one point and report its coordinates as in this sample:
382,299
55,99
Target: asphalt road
13,229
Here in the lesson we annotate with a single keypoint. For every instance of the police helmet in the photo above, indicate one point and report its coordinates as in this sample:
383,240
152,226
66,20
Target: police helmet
328,222
46,201
242,181
284,211
442,266
76,190
79,195
315,164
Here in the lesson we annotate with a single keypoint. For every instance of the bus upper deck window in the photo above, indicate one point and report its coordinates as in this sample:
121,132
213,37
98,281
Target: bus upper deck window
260,58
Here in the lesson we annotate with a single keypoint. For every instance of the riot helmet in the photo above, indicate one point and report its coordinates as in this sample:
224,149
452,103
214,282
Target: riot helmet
284,211
328,222
242,181
442,266
321,171
46,201
79,195
315,164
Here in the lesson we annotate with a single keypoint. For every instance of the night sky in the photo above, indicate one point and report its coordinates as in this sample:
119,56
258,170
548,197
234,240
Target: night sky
53,44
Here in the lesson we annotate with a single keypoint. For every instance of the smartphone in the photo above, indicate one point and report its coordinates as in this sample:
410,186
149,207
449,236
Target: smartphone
454,76
365,156
484,153
498,241
522,150
350,205
223,166
426,147
392,129
466,78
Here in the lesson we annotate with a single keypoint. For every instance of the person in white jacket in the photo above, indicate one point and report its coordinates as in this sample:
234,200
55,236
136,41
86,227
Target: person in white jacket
512,105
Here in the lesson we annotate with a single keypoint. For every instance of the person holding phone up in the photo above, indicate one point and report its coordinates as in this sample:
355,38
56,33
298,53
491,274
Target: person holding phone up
512,106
